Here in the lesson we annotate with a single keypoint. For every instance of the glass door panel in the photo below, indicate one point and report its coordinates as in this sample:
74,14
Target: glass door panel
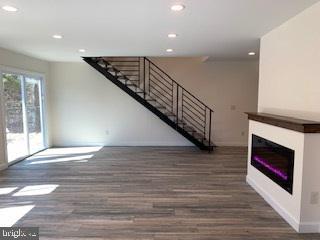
17,139
34,114
24,115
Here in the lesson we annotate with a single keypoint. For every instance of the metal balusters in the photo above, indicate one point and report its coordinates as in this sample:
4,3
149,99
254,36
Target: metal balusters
165,94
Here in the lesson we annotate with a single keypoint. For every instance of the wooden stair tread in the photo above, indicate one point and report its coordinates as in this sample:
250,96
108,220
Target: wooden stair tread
189,129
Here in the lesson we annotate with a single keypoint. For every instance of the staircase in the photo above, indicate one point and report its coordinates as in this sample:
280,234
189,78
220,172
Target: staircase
156,90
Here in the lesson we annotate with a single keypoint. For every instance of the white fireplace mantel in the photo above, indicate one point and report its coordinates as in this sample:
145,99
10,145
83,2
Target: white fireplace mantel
301,209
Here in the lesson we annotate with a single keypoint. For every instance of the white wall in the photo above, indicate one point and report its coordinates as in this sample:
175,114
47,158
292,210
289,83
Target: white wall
289,85
287,205
290,68
301,209
222,86
85,105
23,62
12,60
88,109
311,168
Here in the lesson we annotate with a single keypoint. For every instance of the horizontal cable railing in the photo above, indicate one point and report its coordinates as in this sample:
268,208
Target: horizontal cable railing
181,106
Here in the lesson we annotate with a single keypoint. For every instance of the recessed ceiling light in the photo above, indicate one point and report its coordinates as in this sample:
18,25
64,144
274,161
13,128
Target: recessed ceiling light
169,50
56,36
82,50
177,7
251,53
9,8
172,35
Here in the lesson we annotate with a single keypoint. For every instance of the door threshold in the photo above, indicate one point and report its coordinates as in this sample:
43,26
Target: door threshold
25,157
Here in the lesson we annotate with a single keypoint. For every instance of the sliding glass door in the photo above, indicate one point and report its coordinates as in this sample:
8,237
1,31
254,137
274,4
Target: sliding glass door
23,110
13,104
34,114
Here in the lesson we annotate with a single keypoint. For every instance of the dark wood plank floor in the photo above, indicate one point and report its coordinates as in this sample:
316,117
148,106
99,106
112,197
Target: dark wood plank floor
143,193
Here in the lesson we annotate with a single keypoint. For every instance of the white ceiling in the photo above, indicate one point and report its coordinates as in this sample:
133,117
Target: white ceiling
221,29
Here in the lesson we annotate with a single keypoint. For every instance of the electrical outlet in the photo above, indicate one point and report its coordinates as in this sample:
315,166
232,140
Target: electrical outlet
243,133
314,198
233,107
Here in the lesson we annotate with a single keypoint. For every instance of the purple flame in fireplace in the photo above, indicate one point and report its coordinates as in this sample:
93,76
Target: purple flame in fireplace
273,169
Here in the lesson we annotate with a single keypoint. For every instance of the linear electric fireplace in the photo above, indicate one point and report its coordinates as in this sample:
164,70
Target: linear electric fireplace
274,161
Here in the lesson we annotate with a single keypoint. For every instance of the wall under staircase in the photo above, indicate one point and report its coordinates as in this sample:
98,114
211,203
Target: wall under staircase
153,88
79,96
84,105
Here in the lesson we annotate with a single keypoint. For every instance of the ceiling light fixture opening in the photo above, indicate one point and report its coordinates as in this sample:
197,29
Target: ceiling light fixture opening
9,8
172,35
82,50
57,36
169,50
177,7
251,53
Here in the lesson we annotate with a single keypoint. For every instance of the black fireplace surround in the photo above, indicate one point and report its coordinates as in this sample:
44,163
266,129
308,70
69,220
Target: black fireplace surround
274,161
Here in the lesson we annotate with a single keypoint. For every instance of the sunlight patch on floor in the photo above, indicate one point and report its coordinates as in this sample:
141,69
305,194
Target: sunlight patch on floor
4,191
69,151
10,215
36,190
64,159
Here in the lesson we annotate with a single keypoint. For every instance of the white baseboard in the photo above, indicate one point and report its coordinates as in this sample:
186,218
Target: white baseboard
146,144
123,144
309,227
300,227
231,144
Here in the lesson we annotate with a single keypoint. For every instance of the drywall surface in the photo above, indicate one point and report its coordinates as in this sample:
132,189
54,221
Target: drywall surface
88,109
229,88
289,85
301,209
287,205
290,67
311,182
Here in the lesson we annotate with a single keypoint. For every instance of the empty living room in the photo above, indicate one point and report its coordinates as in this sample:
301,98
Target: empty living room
160,119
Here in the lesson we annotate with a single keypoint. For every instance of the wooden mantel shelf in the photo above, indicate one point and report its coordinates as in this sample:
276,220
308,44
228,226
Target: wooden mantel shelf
295,124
